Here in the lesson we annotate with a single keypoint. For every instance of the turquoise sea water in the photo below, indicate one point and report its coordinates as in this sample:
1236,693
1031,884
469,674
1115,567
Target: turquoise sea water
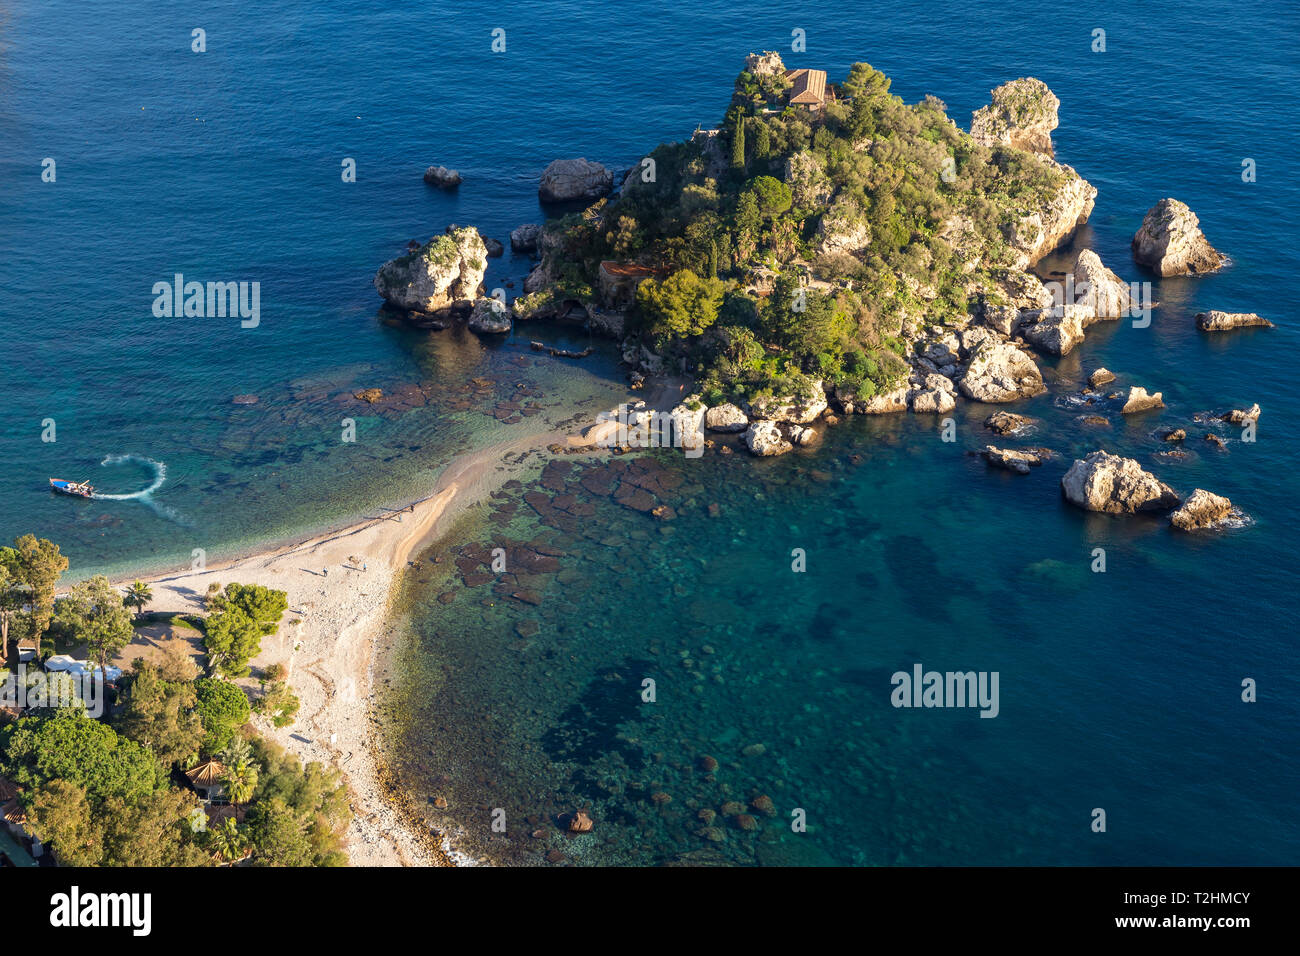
1118,690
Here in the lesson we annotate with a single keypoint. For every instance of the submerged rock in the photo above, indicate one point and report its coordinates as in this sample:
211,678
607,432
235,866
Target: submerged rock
1204,510
1170,242
1215,321
1108,483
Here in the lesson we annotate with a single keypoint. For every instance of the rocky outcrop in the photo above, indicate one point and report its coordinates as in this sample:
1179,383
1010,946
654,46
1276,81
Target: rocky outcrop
442,177
767,63
1102,376
1139,400
764,438
1114,485
883,403
798,409
688,424
432,279
1011,459
933,394
843,228
1007,423
1214,321
1056,331
726,418
807,179
801,435
1170,242
1241,416
1203,510
526,237
1022,115
489,317
1098,287
1000,372
494,248
566,180
1054,219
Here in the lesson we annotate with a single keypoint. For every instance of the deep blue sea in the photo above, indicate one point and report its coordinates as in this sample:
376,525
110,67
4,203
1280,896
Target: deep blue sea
1119,691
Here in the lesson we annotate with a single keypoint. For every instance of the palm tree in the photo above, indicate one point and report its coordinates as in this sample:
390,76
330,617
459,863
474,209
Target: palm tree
137,596
240,782
237,751
227,841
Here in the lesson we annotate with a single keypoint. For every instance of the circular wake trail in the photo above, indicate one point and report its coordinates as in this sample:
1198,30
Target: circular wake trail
145,496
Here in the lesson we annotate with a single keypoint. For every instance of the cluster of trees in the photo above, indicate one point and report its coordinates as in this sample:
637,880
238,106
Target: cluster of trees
239,617
761,193
110,791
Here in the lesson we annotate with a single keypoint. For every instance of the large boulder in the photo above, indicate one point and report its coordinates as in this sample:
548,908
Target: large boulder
1170,242
765,438
1201,510
1021,115
1098,287
688,424
1138,399
526,237
566,180
1215,321
433,277
726,418
933,394
442,177
800,409
1114,485
1056,331
1000,372
489,317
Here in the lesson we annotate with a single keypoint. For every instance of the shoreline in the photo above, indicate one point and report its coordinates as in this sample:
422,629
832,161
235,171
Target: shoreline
338,612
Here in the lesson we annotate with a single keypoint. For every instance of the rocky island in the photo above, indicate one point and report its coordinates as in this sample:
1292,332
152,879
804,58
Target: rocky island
831,250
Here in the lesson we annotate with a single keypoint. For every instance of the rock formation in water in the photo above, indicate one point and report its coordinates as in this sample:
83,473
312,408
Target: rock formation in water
445,270
1114,485
1215,321
566,180
1170,242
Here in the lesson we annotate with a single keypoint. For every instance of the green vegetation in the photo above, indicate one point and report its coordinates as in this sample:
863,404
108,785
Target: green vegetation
222,709
96,614
110,791
834,236
241,616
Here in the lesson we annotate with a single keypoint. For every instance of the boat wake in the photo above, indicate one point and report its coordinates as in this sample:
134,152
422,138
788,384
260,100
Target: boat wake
145,496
